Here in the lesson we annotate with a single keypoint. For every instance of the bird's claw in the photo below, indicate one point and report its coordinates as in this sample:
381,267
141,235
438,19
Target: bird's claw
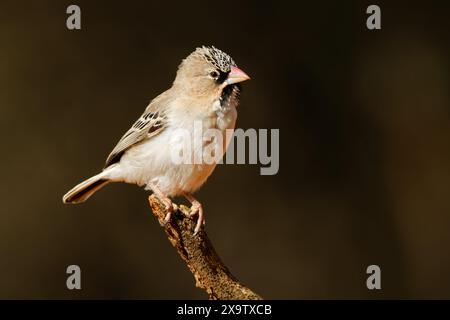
170,208
197,209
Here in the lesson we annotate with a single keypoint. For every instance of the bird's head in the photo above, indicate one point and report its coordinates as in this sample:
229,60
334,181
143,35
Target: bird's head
207,72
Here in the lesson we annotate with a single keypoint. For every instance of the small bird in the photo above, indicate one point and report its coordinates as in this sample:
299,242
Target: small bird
206,90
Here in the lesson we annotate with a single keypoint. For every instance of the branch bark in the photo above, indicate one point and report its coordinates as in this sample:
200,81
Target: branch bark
198,253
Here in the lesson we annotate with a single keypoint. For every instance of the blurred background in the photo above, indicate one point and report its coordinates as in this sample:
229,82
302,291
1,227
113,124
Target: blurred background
364,148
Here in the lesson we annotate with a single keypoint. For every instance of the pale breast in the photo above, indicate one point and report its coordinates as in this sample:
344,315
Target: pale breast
152,160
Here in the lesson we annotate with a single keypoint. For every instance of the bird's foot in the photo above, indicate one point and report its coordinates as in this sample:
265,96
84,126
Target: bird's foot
196,209
170,208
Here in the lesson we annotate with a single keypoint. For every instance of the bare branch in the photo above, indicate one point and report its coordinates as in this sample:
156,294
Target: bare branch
202,260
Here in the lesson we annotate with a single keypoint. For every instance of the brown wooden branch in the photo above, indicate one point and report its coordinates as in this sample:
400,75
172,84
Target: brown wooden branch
202,260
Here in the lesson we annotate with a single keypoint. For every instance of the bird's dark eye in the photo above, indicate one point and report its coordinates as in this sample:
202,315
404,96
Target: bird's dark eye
214,74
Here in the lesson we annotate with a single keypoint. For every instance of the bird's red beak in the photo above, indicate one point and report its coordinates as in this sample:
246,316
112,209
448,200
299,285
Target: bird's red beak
236,75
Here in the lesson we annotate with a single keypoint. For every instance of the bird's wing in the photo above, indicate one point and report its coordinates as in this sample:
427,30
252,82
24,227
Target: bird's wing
151,122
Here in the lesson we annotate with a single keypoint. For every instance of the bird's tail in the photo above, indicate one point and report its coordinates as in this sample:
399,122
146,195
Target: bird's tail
81,192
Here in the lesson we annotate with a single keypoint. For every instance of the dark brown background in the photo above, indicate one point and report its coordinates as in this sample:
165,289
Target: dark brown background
364,164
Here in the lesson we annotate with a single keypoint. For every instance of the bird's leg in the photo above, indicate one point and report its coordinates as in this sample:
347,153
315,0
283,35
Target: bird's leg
170,206
196,208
